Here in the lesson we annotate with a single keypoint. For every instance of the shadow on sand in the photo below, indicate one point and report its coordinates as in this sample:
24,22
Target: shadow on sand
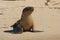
9,31
15,31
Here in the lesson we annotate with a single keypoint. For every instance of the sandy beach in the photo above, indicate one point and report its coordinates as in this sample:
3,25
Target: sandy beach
46,19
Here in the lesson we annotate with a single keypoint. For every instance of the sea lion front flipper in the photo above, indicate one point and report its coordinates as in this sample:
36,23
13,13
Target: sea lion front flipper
17,29
32,28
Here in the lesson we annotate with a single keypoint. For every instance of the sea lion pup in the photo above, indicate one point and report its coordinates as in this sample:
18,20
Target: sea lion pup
26,22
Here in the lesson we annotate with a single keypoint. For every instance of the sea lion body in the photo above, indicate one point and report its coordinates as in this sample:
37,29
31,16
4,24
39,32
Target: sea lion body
26,21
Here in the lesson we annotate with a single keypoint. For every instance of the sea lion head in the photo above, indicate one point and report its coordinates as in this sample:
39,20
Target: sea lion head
28,9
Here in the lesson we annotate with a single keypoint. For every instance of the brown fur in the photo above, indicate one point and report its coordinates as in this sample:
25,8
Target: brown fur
26,22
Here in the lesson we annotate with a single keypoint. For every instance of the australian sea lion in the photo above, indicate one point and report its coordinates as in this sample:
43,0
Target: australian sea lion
26,21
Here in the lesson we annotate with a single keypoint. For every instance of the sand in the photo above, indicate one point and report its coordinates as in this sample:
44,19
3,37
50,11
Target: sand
46,19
